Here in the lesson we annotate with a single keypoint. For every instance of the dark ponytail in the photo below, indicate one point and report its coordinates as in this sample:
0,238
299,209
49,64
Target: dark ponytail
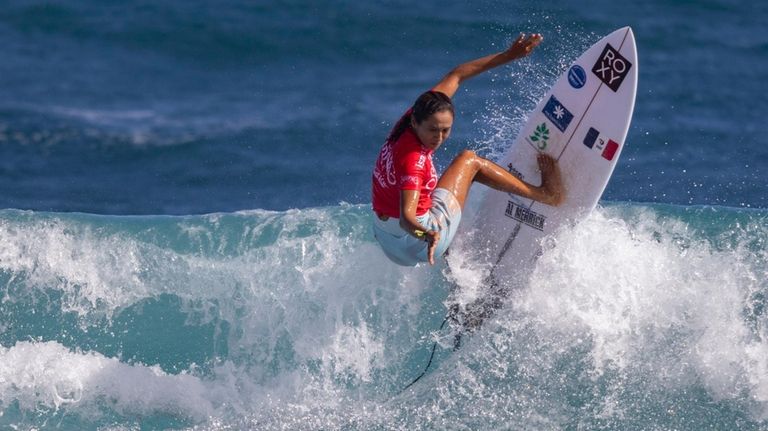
427,104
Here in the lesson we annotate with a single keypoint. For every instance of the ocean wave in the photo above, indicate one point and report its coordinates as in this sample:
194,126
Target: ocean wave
51,125
296,317
46,377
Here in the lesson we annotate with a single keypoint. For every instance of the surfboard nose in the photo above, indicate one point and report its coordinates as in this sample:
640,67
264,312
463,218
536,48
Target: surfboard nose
626,31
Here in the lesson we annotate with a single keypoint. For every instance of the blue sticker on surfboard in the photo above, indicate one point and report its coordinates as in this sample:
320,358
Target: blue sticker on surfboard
557,113
577,76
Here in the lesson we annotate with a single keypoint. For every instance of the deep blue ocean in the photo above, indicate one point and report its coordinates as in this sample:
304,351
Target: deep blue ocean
185,235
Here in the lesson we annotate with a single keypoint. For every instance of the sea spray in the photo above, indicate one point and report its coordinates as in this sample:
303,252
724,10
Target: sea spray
286,304
640,316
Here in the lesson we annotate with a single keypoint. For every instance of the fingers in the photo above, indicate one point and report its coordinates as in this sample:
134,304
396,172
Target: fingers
524,44
431,254
532,42
546,162
433,239
551,181
528,39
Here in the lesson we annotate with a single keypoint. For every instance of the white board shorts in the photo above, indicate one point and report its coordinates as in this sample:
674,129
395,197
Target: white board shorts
405,249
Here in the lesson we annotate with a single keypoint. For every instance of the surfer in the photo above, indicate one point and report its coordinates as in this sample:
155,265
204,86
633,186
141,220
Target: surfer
417,214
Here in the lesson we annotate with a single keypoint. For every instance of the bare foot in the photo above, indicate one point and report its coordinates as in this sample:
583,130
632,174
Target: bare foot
551,182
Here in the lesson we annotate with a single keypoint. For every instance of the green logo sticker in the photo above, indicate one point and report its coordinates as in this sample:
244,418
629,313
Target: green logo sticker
540,136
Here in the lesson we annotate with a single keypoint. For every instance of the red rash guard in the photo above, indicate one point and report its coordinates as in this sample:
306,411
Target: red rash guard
403,165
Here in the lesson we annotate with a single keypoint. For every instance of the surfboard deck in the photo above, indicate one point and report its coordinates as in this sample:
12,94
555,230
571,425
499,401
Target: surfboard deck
583,123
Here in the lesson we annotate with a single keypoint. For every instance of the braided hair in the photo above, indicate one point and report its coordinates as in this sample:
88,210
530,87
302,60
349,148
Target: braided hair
429,103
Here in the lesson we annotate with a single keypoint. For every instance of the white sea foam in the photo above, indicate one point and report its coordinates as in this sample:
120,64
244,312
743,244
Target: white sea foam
94,271
310,308
320,327
652,294
42,376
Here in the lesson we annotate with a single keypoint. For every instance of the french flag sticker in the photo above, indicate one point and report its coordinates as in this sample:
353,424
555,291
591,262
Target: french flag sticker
597,143
610,149
591,137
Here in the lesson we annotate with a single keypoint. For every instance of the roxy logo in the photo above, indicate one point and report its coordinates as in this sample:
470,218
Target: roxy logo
611,67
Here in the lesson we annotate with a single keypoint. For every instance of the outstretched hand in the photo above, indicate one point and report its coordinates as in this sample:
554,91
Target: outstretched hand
521,47
524,45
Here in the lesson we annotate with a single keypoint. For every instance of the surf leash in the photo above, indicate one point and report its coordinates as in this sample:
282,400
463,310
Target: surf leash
456,345
431,356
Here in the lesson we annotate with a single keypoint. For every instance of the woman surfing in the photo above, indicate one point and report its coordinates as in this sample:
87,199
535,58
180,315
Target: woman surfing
416,213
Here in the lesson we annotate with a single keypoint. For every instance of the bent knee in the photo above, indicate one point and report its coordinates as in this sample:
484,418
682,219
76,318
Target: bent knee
466,156
469,157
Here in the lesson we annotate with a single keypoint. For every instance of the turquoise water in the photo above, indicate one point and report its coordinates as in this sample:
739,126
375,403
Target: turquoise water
641,317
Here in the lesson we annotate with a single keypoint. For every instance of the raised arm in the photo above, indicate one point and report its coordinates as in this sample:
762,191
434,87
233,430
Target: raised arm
521,47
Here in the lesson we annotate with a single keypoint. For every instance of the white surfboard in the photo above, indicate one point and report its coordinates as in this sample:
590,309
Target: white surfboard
582,122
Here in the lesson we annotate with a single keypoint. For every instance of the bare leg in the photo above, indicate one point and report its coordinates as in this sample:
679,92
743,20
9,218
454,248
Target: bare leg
468,167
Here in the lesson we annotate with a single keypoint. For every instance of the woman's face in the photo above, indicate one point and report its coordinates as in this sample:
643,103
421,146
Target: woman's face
434,130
